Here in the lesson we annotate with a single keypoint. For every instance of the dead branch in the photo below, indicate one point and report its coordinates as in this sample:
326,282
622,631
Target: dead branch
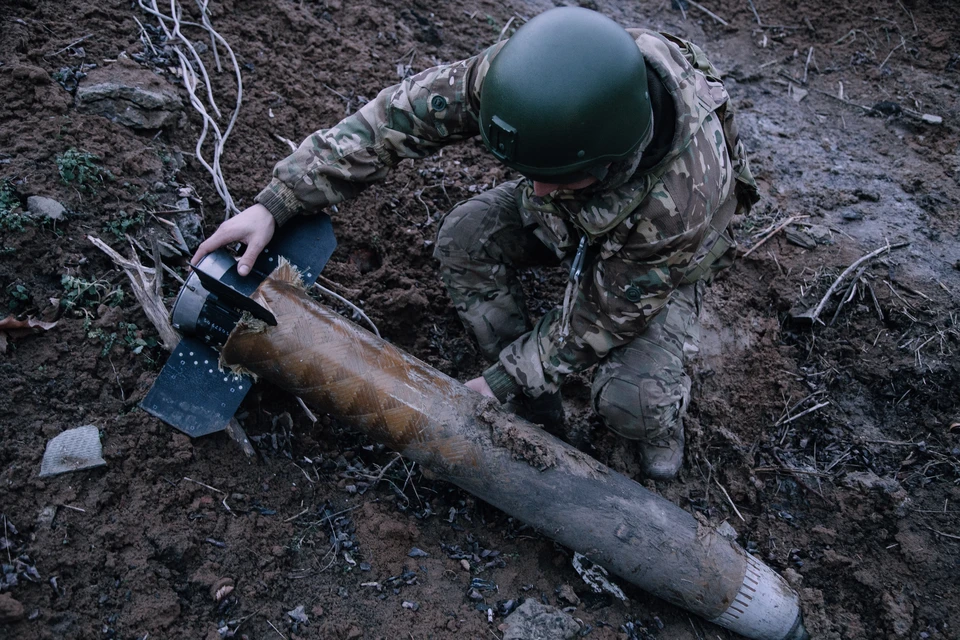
814,313
146,289
709,13
772,233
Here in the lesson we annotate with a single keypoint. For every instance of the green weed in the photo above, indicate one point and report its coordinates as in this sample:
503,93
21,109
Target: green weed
78,292
19,296
123,223
128,334
11,217
82,168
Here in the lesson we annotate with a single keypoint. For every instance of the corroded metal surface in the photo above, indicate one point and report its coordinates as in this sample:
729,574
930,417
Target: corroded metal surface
470,441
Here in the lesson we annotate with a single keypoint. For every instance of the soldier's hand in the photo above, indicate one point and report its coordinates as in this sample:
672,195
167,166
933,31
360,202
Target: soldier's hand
480,386
254,227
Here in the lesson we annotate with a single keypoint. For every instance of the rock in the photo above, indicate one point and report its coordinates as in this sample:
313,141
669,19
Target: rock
566,594
868,481
47,516
727,531
535,621
125,93
867,194
190,225
298,615
10,609
793,578
48,208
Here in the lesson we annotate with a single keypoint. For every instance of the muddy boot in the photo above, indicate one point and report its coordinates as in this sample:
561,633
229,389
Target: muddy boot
662,453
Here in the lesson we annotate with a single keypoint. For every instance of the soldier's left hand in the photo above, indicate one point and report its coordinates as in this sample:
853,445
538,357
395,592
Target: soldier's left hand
480,386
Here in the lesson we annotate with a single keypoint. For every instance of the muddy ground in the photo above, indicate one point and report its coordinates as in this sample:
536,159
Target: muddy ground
834,451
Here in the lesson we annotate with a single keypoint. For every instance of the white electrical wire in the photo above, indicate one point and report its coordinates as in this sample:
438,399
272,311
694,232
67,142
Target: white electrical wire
178,41
355,308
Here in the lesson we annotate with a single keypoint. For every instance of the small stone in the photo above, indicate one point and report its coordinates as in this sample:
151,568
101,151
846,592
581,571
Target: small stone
10,609
535,621
473,594
46,208
727,531
929,118
566,594
852,215
793,578
418,553
350,488
413,606
465,565
46,517
867,194
298,615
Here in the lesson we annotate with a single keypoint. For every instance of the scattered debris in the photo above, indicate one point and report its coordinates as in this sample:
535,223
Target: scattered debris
418,553
221,589
73,450
535,621
596,576
45,208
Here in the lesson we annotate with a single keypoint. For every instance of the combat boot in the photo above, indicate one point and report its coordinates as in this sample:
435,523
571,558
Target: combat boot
662,453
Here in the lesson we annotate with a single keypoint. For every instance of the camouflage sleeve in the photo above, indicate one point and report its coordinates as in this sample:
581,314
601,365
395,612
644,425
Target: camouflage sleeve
617,298
409,120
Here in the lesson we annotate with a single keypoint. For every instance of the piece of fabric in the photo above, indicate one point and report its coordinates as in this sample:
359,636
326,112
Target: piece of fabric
647,229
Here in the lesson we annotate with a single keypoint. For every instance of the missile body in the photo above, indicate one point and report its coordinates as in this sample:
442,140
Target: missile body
468,440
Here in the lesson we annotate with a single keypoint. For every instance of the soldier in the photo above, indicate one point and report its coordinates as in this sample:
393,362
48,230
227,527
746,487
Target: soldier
632,169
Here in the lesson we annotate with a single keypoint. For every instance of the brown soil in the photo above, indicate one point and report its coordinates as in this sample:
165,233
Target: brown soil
856,502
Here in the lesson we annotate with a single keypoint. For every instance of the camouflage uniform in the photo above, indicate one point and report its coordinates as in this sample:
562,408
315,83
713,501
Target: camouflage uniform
651,234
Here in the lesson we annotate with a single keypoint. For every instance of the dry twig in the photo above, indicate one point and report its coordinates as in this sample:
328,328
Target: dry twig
146,289
814,314
772,233
709,13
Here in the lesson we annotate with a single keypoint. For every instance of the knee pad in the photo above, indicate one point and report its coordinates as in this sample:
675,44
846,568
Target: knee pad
640,409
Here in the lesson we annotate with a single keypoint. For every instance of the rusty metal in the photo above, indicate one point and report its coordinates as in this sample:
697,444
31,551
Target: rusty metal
470,441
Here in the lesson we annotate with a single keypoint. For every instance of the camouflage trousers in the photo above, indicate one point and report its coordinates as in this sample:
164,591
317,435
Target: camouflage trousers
640,390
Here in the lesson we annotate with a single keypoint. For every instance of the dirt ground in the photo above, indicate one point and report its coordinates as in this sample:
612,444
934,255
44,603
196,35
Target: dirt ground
834,450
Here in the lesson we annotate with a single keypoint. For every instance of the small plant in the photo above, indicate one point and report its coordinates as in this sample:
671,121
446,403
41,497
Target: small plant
123,223
11,218
19,296
82,169
127,334
78,292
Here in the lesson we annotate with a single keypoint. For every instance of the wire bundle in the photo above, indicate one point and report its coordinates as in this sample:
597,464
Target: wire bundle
192,72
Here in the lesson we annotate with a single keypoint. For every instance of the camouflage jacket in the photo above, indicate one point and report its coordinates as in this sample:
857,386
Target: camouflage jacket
649,230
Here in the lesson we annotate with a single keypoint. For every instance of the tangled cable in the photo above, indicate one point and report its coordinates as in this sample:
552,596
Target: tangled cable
189,66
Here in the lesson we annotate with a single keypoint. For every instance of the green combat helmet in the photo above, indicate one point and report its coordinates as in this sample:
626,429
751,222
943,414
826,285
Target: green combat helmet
566,94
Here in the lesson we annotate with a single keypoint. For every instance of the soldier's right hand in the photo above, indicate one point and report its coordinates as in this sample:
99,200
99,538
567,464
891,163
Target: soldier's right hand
254,227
